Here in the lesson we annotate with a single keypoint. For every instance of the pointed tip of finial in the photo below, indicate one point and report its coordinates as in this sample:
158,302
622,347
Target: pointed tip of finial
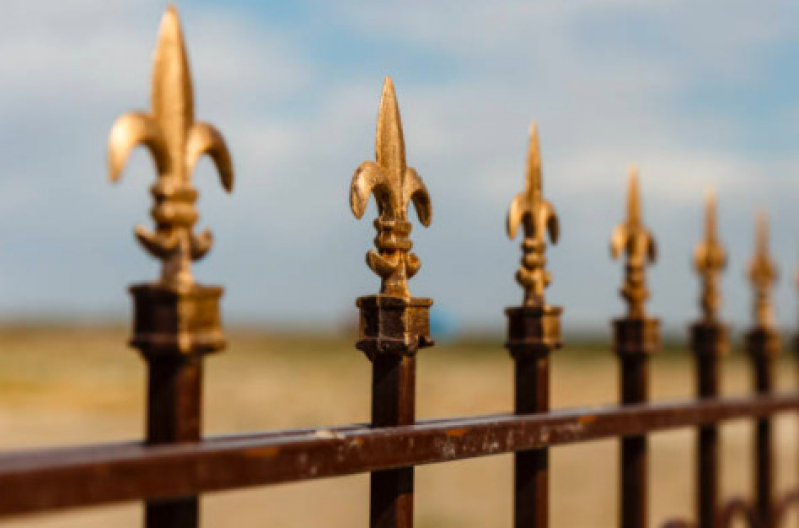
710,214
762,229
390,145
533,162
170,21
710,197
388,93
172,92
633,199
533,131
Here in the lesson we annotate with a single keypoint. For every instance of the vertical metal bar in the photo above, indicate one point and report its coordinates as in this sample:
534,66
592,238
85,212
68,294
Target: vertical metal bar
173,415
531,468
708,343
635,340
533,333
393,325
176,320
392,329
393,404
763,346
173,330
636,336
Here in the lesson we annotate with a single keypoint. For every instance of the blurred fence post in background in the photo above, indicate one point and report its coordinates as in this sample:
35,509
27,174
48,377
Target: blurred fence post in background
176,320
763,346
709,343
636,338
393,325
533,332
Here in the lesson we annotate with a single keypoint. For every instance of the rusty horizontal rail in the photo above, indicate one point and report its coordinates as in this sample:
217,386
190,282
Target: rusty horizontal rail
43,480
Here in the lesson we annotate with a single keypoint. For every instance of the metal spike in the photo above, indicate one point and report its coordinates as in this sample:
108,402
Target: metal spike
166,130
638,245
633,198
709,260
533,180
538,217
390,140
394,185
172,90
711,228
762,273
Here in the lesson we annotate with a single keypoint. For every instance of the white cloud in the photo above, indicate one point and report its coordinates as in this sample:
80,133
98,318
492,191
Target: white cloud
606,80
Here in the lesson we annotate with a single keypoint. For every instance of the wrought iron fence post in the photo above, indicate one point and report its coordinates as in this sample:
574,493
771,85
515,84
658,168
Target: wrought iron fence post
533,332
709,343
176,320
393,325
636,337
763,346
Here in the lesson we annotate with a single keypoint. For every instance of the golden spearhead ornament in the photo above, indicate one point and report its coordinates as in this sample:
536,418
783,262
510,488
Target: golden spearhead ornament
635,241
538,217
710,259
394,185
762,274
176,142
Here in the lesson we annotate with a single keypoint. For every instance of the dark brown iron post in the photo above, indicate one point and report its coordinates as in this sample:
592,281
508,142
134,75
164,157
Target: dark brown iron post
533,332
393,325
763,346
176,320
392,330
173,329
709,342
636,337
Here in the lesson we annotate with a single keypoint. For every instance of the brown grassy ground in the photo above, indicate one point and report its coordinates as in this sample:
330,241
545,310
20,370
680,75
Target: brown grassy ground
62,386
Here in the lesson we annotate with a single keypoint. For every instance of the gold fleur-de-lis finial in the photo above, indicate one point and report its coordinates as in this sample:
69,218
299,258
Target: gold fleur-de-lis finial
394,185
633,239
176,142
710,259
538,217
762,274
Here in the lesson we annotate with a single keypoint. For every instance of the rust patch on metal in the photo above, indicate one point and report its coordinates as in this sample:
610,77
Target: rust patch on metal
457,432
262,452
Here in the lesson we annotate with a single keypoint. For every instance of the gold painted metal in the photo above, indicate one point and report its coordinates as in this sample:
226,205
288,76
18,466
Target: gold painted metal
763,275
710,258
394,185
635,241
538,217
176,141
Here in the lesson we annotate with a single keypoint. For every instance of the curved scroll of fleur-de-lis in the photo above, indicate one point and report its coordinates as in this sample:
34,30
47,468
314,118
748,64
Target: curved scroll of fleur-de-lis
710,259
635,241
762,274
394,186
176,142
530,210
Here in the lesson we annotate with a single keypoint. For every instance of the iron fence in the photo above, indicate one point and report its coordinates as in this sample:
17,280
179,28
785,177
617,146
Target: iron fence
176,323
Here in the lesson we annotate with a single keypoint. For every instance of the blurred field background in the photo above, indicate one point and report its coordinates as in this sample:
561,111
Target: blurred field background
62,385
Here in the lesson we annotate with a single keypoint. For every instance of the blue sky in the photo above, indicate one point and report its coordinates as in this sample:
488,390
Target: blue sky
695,95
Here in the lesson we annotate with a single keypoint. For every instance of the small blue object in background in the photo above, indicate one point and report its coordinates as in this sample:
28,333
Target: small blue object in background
443,325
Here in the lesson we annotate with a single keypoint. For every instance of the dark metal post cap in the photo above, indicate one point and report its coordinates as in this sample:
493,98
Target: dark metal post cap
533,330
710,339
393,325
636,336
763,341
176,322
